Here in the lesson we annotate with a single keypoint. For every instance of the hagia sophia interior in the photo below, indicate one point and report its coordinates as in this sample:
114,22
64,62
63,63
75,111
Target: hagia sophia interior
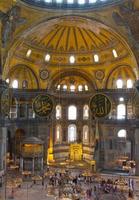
65,52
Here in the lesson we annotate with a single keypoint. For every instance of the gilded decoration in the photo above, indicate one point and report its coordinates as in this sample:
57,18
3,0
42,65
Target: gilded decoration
76,152
42,105
100,105
44,74
99,75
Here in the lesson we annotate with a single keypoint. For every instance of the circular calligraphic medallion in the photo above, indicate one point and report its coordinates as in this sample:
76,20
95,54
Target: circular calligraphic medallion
5,103
44,74
100,105
42,105
99,74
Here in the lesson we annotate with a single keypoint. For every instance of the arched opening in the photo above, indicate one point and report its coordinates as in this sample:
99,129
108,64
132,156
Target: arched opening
86,112
85,134
58,112
58,134
72,133
72,112
121,111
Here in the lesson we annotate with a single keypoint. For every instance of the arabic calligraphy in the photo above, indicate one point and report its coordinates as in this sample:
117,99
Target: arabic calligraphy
42,105
100,105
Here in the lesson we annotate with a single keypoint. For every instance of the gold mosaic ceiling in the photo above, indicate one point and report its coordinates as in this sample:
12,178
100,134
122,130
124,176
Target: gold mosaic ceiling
71,35
67,36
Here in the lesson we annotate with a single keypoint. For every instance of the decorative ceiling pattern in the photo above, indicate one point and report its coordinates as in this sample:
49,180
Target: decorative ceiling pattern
72,35
71,43
23,73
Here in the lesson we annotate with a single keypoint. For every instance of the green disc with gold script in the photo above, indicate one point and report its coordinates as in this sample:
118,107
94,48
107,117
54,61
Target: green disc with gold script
100,105
42,105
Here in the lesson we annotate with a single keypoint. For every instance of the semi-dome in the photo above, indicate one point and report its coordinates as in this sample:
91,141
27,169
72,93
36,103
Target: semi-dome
71,43
71,40
25,77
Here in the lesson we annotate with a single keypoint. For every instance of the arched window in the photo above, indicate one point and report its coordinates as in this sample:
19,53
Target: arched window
15,84
58,135
72,88
119,83
85,134
72,133
7,80
121,111
85,112
81,1
80,88
86,87
58,87
72,112
65,87
122,133
58,112
129,83
24,84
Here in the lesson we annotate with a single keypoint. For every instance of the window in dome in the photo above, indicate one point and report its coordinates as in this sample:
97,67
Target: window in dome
28,53
70,1
85,134
119,84
72,59
58,112
15,84
48,1
72,112
59,1
129,83
47,57
58,133
122,133
64,87
81,1
7,80
72,88
80,88
24,84
92,1
85,112
96,58
86,87
121,111
72,133
121,99
114,53
58,87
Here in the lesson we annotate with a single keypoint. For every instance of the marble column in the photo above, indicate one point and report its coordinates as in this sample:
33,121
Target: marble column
137,150
41,164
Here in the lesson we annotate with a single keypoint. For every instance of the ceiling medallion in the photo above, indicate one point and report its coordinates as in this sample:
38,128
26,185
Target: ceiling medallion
99,75
44,74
